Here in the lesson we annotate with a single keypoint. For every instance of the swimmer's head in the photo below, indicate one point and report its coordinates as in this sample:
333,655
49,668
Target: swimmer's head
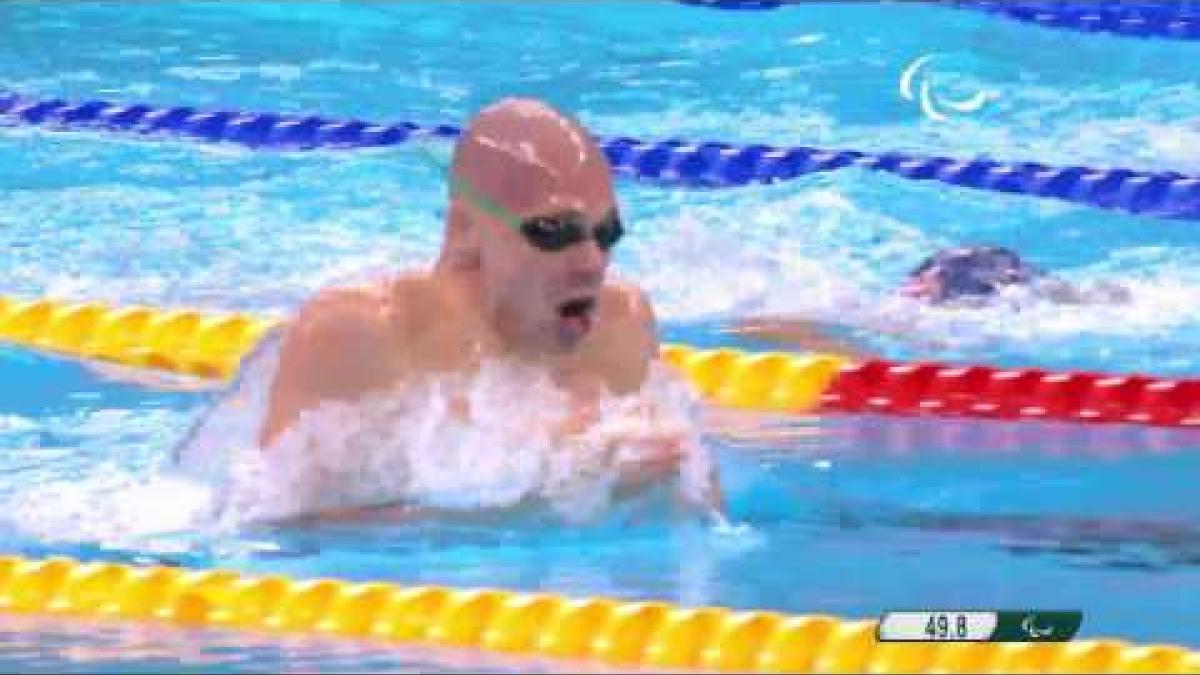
968,273
531,223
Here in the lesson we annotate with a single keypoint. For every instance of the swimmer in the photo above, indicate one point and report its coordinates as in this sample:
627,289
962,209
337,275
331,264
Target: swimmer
531,224
977,275
962,277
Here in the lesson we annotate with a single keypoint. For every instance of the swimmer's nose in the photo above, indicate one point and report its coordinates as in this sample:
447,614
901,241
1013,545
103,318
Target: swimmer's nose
587,261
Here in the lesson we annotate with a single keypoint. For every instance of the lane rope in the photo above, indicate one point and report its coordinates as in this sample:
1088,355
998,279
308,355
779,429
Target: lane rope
1174,20
1179,20
618,632
735,4
191,342
1166,194
652,634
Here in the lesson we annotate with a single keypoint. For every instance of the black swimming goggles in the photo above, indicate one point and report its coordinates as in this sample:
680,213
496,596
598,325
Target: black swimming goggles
550,233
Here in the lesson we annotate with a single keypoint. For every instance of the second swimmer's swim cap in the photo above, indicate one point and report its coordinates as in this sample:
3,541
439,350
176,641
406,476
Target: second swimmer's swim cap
968,272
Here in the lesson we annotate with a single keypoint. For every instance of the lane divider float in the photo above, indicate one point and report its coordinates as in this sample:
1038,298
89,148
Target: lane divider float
735,4
650,633
1164,194
1175,20
1128,18
190,342
617,632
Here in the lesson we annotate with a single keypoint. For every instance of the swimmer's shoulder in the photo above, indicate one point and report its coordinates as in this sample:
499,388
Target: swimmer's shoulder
625,341
341,333
411,296
377,308
335,347
632,330
628,304
341,313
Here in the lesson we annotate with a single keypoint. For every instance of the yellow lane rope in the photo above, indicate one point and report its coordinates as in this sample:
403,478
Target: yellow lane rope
653,634
191,342
616,632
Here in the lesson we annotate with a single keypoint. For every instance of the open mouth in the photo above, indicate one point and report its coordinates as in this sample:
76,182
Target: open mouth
579,308
575,319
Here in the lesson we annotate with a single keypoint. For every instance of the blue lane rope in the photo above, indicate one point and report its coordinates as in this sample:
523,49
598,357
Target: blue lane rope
676,162
1134,18
734,4
1178,20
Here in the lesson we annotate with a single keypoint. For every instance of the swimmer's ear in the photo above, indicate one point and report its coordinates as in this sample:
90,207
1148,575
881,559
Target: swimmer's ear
462,236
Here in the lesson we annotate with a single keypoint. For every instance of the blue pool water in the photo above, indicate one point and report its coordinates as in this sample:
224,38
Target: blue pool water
846,515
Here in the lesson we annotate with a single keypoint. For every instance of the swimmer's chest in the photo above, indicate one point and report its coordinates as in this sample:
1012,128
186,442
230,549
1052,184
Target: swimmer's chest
437,334
606,360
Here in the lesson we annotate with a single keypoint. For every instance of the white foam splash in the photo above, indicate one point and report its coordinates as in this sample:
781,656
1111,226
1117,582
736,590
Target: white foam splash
812,251
415,445
409,446
1156,305
826,253
114,507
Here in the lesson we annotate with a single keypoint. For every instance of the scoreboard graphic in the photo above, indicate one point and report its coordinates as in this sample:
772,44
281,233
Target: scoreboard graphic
938,625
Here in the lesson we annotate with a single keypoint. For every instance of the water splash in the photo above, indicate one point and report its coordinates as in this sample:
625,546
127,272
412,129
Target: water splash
415,446
834,252
115,508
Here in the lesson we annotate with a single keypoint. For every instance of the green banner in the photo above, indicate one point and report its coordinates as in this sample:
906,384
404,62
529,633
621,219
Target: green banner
1036,626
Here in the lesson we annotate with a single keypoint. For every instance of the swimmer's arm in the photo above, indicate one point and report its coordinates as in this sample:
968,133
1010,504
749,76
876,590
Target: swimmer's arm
151,379
797,333
331,350
665,450
810,336
1102,292
400,513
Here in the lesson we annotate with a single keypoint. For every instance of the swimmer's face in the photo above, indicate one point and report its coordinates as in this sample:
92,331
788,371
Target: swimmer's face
542,284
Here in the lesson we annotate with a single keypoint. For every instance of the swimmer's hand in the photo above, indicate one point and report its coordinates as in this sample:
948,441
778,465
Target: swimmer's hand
643,458
643,448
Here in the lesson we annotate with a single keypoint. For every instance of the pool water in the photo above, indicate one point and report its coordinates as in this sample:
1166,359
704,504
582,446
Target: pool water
844,515
72,646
